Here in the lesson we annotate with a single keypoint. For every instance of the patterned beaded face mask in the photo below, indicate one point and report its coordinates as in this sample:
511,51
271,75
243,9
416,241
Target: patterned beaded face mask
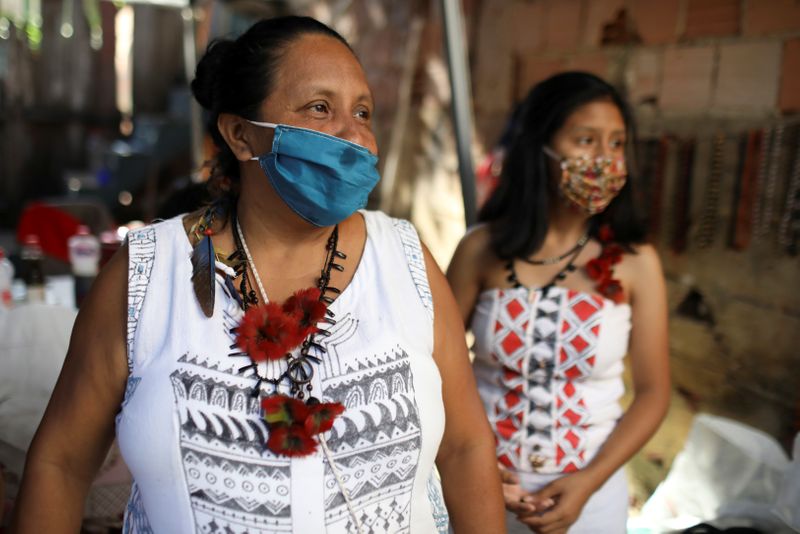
590,183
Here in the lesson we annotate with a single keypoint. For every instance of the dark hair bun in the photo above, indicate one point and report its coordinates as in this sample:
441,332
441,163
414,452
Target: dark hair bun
206,78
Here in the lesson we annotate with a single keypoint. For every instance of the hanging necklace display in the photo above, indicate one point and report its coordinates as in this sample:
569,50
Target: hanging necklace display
771,186
557,259
789,233
657,187
747,190
683,196
709,217
763,166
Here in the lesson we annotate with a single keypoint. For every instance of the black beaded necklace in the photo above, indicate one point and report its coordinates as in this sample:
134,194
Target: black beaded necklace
560,276
300,369
556,259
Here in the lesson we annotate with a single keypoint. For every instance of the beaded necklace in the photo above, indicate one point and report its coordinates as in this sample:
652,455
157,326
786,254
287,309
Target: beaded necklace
600,269
556,259
299,371
561,275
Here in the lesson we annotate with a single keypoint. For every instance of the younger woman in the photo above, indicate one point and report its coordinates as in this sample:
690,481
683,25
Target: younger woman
557,286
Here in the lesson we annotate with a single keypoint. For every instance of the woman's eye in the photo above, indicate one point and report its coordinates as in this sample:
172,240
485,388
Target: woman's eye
585,140
619,143
363,114
319,108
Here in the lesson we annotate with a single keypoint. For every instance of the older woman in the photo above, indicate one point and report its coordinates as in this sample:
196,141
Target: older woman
557,287
280,361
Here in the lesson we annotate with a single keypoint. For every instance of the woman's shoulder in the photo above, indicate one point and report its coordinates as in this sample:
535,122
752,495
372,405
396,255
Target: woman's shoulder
642,265
474,257
643,255
476,243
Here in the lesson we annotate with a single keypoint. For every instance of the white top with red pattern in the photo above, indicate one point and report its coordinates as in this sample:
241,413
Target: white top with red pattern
549,370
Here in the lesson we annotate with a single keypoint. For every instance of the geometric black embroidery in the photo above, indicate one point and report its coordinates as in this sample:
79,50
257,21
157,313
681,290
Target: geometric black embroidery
435,497
141,256
416,261
542,360
375,443
136,521
235,483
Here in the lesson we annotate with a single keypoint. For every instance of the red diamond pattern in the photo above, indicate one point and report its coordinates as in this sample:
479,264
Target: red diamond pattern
573,439
579,343
509,346
575,317
514,308
573,372
511,343
506,428
584,309
570,468
509,375
512,399
580,327
573,418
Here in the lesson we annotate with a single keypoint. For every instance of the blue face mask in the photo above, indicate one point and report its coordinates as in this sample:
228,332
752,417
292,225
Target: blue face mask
324,179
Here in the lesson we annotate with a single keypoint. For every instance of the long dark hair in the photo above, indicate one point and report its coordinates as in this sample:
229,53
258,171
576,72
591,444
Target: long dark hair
517,211
236,76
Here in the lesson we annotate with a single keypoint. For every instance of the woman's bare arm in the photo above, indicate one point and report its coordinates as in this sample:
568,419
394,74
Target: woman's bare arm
466,460
78,425
464,274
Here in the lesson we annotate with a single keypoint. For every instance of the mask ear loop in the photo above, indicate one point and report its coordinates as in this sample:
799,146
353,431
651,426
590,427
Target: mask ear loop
262,125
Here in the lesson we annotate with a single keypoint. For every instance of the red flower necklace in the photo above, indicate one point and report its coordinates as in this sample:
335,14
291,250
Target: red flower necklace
271,331
601,268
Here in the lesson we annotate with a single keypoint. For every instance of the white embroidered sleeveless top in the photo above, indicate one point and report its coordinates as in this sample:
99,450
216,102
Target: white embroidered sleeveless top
549,371
192,434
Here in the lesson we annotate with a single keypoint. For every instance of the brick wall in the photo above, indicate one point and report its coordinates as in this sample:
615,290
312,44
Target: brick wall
710,57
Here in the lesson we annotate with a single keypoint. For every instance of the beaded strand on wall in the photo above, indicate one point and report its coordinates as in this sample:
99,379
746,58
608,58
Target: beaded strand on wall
761,179
747,190
789,232
709,217
770,188
683,193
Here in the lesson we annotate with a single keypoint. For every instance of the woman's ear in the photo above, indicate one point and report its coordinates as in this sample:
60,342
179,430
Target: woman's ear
238,134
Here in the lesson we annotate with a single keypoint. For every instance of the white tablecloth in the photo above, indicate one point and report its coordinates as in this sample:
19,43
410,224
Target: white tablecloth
33,343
